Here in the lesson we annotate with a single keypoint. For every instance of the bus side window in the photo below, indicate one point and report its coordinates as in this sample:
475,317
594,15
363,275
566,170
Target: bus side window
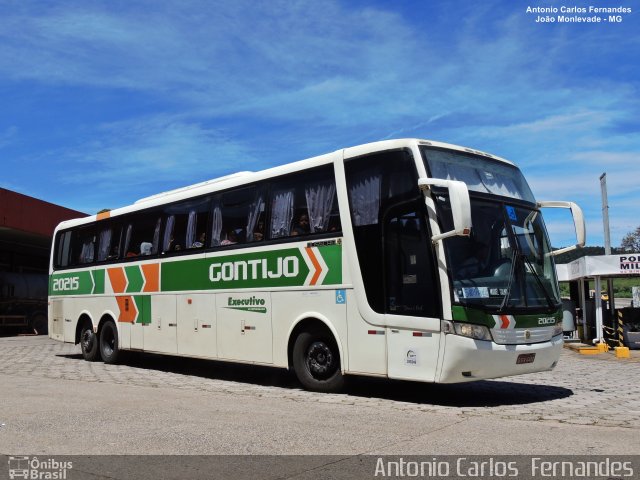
104,243
304,203
185,225
83,246
142,235
63,249
238,217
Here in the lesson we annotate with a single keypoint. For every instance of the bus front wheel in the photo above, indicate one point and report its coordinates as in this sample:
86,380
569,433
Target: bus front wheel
316,361
89,343
109,343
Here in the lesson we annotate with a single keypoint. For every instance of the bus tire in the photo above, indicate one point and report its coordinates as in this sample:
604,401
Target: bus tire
89,343
109,342
316,361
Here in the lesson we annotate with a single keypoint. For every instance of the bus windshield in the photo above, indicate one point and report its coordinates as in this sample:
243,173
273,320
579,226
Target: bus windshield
481,174
505,265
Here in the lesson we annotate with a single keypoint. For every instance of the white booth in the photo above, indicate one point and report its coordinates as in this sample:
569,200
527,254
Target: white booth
598,268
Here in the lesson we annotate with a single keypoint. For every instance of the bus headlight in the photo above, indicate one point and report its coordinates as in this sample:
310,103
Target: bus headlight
477,332
557,329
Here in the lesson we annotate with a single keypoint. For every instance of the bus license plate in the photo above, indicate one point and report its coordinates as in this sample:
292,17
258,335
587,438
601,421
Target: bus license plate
525,358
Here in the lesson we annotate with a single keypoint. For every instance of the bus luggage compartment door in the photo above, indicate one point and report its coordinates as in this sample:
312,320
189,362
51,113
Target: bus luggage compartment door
244,326
197,325
56,327
160,335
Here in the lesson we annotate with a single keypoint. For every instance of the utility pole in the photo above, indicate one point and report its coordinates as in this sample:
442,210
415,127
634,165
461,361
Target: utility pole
605,214
607,241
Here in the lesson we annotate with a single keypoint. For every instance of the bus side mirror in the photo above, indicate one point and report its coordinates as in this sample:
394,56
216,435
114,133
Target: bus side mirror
578,220
460,205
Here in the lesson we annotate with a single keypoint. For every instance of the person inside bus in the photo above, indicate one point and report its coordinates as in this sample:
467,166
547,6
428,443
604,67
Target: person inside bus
146,248
173,246
476,263
334,224
232,238
199,243
302,226
258,233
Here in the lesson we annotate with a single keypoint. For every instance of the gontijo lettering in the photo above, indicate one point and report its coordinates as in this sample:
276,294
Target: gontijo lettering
244,269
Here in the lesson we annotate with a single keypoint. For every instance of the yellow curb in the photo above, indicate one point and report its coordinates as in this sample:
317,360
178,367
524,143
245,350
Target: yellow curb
590,351
622,352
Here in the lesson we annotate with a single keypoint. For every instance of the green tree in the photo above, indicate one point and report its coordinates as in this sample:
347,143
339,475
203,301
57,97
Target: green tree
631,241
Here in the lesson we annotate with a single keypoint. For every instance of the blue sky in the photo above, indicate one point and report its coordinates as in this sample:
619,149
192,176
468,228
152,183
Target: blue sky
107,102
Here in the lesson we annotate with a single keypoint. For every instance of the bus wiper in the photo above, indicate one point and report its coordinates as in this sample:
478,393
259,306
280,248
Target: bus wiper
505,300
540,284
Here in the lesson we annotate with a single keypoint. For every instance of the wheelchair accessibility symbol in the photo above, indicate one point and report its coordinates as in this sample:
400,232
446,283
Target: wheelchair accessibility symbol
341,297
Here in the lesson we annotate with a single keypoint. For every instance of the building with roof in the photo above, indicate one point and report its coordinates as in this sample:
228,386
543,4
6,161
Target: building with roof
26,231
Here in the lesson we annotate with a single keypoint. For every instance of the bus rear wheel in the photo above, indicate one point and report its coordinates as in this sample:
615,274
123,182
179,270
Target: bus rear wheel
109,343
316,361
89,343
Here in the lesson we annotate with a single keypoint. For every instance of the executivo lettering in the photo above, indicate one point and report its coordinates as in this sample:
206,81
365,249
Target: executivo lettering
247,304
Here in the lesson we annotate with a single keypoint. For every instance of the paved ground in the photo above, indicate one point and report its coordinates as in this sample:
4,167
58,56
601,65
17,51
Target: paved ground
53,402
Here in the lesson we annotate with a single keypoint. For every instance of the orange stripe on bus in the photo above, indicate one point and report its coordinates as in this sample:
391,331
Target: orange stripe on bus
128,310
151,272
103,215
118,279
316,265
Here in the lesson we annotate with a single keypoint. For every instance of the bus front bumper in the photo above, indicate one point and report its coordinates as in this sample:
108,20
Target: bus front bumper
466,360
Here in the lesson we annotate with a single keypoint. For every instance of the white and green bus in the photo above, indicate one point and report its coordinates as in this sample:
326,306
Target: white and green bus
405,259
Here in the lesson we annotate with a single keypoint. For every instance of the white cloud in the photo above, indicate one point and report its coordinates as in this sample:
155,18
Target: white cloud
138,157
291,79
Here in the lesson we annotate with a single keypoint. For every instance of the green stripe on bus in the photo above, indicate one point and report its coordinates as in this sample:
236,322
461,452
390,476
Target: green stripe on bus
249,309
98,281
332,255
278,268
76,283
474,315
135,278
263,269
143,304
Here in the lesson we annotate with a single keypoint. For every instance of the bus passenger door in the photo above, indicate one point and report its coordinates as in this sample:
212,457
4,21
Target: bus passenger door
197,325
412,295
244,326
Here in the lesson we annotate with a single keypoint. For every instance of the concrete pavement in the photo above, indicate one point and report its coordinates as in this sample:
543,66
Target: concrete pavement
53,402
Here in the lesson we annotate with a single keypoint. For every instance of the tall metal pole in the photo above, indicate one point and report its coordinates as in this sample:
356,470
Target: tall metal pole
607,244
605,214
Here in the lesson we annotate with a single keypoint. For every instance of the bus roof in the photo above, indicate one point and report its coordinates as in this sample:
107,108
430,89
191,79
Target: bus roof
240,178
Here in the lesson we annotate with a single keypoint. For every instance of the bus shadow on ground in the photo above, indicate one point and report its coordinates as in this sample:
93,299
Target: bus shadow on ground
481,393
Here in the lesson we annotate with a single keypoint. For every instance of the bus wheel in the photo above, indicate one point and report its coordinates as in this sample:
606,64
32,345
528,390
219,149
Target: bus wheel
89,343
316,361
109,342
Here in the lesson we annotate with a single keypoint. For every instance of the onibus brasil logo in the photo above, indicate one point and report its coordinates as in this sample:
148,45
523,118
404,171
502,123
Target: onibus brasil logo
36,469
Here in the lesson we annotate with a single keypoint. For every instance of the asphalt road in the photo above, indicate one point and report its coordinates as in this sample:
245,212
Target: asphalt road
53,402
